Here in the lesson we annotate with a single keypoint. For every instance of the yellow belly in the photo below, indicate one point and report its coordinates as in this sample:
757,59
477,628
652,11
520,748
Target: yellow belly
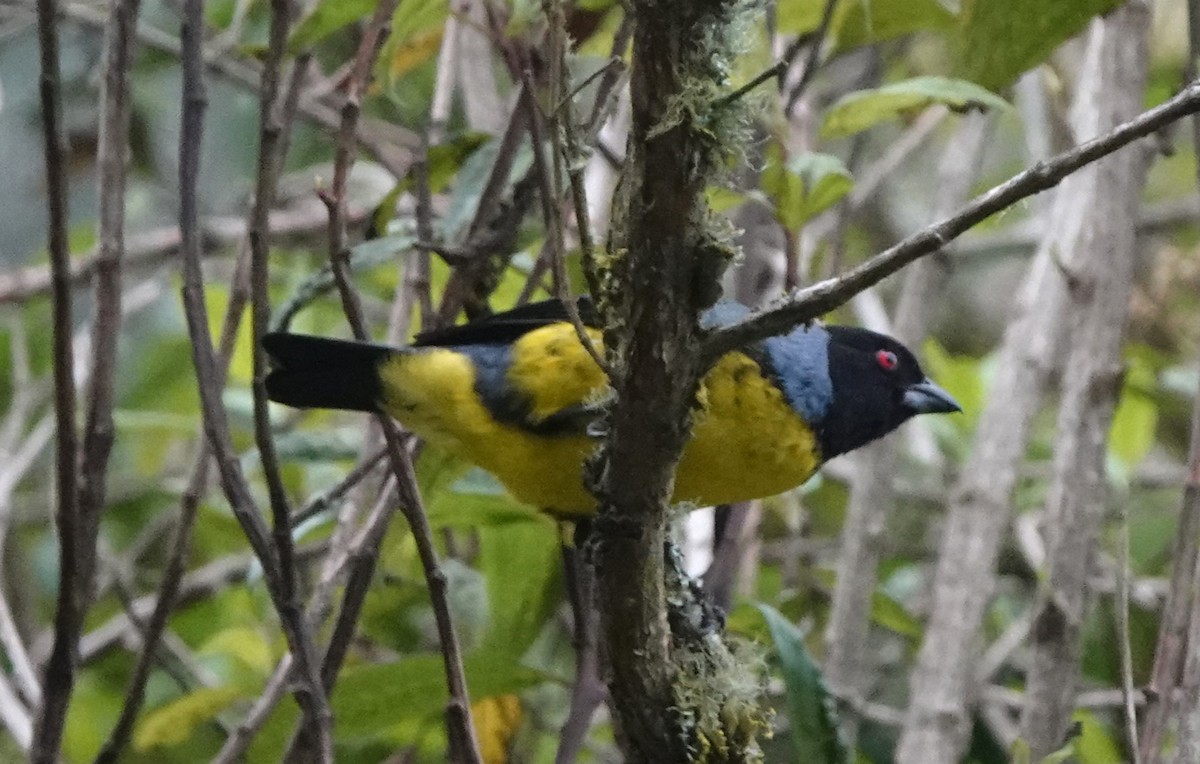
746,441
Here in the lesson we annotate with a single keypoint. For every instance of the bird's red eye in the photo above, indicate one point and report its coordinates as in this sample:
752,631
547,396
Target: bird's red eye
886,360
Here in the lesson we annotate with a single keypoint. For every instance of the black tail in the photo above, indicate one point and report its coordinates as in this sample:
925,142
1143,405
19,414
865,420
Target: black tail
323,373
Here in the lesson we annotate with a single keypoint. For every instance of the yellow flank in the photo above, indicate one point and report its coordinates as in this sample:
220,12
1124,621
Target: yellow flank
747,442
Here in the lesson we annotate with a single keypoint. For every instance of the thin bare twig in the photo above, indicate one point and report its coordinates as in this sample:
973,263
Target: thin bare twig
814,55
587,693
460,731
113,161
173,572
822,297
547,174
59,677
1124,576
318,717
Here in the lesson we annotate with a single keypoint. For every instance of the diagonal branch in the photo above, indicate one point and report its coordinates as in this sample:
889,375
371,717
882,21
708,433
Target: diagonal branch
822,297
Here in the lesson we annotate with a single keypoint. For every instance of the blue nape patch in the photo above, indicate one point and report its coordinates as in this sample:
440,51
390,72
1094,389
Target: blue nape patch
801,365
722,314
491,369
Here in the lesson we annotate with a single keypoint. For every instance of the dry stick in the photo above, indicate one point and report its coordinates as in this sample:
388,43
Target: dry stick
460,732
487,213
588,691
1174,633
1124,575
1100,278
112,160
872,491
810,62
206,581
326,499
1179,633
59,677
339,556
173,573
318,717
151,248
216,425
822,297
17,456
547,174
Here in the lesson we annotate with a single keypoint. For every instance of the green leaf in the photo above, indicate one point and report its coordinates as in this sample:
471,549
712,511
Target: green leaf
862,109
1096,743
890,614
811,708
865,22
806,186
1135,421
415,38
328,17
886,611
175,722
1000,40
520,562
798,16
371,699
468,189
245,645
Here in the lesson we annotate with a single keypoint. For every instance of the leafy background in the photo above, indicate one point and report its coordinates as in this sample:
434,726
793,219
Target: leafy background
503,560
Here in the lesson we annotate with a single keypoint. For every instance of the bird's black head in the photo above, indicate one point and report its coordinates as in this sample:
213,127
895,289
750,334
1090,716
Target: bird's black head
877,386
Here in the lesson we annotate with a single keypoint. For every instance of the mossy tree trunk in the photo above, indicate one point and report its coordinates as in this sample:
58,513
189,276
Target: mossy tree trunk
672,687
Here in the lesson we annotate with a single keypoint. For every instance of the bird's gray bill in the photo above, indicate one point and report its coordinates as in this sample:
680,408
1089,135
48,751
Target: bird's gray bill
927,398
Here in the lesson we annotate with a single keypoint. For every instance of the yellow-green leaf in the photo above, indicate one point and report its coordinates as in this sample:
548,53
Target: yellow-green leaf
175,722
806,186
1000,40
857,111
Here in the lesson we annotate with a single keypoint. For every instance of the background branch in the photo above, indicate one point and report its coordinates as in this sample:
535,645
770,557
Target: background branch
59,676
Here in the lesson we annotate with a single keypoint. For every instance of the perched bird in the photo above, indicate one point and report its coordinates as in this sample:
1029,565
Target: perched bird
515,392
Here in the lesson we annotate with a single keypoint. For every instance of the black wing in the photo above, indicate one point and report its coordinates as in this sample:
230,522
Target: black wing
506,327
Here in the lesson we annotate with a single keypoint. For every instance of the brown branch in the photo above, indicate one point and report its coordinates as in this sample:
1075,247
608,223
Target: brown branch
463,746
59,677
814,55
547,173
113,161
318,719
820,298
587,693
216,424
176,566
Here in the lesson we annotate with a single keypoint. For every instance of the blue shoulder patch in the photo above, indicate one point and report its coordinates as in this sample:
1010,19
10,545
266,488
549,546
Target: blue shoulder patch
800,362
